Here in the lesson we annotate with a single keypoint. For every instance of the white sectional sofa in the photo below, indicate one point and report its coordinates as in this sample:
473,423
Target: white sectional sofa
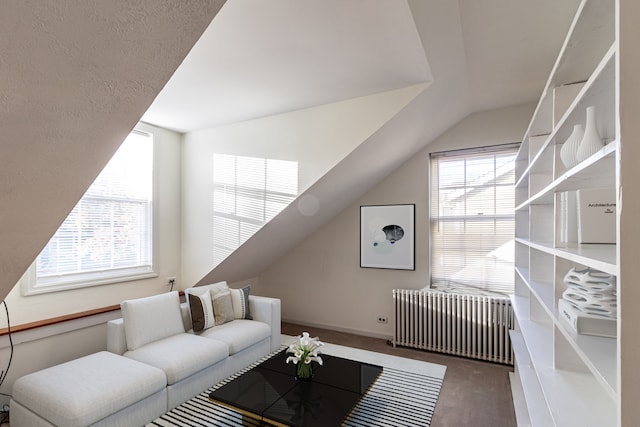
155,332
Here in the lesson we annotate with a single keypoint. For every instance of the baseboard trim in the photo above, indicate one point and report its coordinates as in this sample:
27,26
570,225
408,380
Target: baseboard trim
339,328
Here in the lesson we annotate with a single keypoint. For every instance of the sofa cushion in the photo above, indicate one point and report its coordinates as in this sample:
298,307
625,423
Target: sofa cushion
240,302
86,390
222,307
181,355
151,318
239,334
201,309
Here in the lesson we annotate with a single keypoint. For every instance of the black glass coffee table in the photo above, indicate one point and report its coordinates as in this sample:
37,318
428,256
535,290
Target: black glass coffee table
269,394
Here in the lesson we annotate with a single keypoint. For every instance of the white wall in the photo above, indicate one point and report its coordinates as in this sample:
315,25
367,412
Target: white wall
317,138
45,306
320,282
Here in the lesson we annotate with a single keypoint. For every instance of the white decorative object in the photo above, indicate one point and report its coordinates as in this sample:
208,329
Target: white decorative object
569,150
591,141
589,304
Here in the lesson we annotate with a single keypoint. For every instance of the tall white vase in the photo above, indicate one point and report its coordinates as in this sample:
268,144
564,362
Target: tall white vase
569,150
591,141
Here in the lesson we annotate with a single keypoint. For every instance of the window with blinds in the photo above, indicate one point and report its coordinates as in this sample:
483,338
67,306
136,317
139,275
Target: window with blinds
108,236
472,218
247,193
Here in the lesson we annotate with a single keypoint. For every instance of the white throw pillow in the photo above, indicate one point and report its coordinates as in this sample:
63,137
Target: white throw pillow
151,319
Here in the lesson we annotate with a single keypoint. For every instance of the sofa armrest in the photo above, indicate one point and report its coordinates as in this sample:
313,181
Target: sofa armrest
267,310
116,338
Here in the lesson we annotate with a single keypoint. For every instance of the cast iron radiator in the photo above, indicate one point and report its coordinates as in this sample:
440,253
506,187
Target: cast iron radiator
474,326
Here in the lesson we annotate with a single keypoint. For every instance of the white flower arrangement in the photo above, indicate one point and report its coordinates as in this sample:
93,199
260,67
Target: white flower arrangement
305,350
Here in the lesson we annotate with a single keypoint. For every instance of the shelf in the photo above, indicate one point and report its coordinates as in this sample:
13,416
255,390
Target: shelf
591,33
544,292
597,353
601,257
537,336
598,171
567,379
597,89
537,408
573,398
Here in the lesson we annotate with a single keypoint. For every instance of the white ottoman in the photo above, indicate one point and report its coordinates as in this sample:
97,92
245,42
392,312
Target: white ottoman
98,390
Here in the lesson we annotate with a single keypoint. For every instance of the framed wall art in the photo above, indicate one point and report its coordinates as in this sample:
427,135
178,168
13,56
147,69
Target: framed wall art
387,237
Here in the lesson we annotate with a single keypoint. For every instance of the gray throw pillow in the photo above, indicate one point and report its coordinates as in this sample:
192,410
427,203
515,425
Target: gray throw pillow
240,301
222,307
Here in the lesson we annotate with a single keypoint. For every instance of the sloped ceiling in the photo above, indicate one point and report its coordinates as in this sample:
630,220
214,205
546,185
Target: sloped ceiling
478,55
258,59
75,77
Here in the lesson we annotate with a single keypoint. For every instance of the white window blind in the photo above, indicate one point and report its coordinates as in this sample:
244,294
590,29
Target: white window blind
472,218
247,193
108,235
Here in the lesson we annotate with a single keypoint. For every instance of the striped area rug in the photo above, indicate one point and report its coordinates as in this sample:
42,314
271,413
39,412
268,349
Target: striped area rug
398,398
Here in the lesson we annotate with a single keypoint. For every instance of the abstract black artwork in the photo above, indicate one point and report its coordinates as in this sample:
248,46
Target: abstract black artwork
387,236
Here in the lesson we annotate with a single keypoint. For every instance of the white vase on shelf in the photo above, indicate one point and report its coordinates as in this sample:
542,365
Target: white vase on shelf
591,141
569,150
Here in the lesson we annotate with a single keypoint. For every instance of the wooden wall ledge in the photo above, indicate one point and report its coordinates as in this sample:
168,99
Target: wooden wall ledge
59,319
65,318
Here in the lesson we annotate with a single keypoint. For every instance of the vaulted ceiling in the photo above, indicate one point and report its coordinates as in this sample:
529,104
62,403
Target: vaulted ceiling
470,55
262,58
76,76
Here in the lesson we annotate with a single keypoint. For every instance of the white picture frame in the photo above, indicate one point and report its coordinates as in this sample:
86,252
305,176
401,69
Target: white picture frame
387,236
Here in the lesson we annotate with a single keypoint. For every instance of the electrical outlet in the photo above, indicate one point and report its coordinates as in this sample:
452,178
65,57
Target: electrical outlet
171,281
383,319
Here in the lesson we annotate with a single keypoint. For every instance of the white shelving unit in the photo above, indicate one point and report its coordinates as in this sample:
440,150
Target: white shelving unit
567,379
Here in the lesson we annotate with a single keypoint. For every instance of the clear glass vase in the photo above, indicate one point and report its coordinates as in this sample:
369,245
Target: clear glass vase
304,371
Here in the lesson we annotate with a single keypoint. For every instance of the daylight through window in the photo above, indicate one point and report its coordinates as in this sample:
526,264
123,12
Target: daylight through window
108,235
248,192
472,218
